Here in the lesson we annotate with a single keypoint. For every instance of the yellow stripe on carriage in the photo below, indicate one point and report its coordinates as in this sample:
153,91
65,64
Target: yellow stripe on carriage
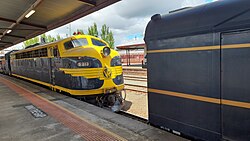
202,98
187,96
203,48
184,49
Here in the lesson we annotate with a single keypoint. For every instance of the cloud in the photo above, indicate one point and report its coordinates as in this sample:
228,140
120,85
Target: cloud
193,3
144,8
125,18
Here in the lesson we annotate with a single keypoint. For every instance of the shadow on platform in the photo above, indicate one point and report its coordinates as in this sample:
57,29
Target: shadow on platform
127,105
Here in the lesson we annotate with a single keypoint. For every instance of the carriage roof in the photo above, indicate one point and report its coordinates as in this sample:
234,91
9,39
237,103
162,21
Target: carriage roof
218,16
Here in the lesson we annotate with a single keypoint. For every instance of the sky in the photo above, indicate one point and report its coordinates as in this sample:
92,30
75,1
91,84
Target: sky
127,19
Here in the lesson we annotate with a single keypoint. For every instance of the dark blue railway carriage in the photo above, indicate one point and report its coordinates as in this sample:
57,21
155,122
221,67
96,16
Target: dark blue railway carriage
5,63
199,70
1,63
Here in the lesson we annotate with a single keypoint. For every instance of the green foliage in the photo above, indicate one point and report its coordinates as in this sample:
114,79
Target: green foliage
106,34
48,39
31,41
92,30
35,40
58,37
111,40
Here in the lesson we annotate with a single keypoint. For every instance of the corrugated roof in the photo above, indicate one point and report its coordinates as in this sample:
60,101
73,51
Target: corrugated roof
49,14
132,46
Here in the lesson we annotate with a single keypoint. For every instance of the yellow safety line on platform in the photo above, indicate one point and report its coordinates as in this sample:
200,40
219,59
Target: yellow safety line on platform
234,46
66,110
202,98
91,123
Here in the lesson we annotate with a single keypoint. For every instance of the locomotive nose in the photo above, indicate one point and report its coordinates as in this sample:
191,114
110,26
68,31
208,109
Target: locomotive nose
107,72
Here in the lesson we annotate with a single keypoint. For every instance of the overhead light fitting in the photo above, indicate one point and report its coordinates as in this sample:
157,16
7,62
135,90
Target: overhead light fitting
30,13
9,31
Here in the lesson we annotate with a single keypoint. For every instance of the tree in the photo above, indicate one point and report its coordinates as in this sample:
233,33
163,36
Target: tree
58,37
111,40
104,32
107,35
48,38
92,30
31,41
35,40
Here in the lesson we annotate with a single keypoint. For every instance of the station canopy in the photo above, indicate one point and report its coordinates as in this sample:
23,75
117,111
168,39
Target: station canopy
131,46
24,19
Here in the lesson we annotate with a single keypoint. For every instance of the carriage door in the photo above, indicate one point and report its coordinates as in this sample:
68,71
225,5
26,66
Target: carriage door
55,57
235,85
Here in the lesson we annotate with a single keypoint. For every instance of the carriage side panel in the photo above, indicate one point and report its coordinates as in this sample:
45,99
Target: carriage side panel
181,76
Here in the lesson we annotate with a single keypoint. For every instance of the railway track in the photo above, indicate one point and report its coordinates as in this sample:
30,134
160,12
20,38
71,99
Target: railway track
142,72
135,83
134,69
136,88
135,78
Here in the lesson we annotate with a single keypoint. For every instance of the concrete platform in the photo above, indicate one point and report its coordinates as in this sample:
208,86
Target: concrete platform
17,123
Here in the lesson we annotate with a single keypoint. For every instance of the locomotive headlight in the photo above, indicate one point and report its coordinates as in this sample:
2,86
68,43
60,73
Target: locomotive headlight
83,64
106,51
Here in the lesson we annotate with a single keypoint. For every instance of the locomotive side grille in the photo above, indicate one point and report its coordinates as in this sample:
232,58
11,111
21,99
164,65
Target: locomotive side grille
93,72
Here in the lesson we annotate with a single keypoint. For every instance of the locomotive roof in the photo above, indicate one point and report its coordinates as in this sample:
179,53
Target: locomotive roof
40,46
218,16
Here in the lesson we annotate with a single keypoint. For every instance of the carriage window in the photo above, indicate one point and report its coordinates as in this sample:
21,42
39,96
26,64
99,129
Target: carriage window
75,43
98,43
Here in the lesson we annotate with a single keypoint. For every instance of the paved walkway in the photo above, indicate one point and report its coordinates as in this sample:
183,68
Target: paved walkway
57,117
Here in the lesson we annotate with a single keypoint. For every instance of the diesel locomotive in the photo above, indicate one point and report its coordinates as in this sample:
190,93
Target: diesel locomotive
202,59
83,66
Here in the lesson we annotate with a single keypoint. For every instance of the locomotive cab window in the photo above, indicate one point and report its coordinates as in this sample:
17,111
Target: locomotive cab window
75,43
97,42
